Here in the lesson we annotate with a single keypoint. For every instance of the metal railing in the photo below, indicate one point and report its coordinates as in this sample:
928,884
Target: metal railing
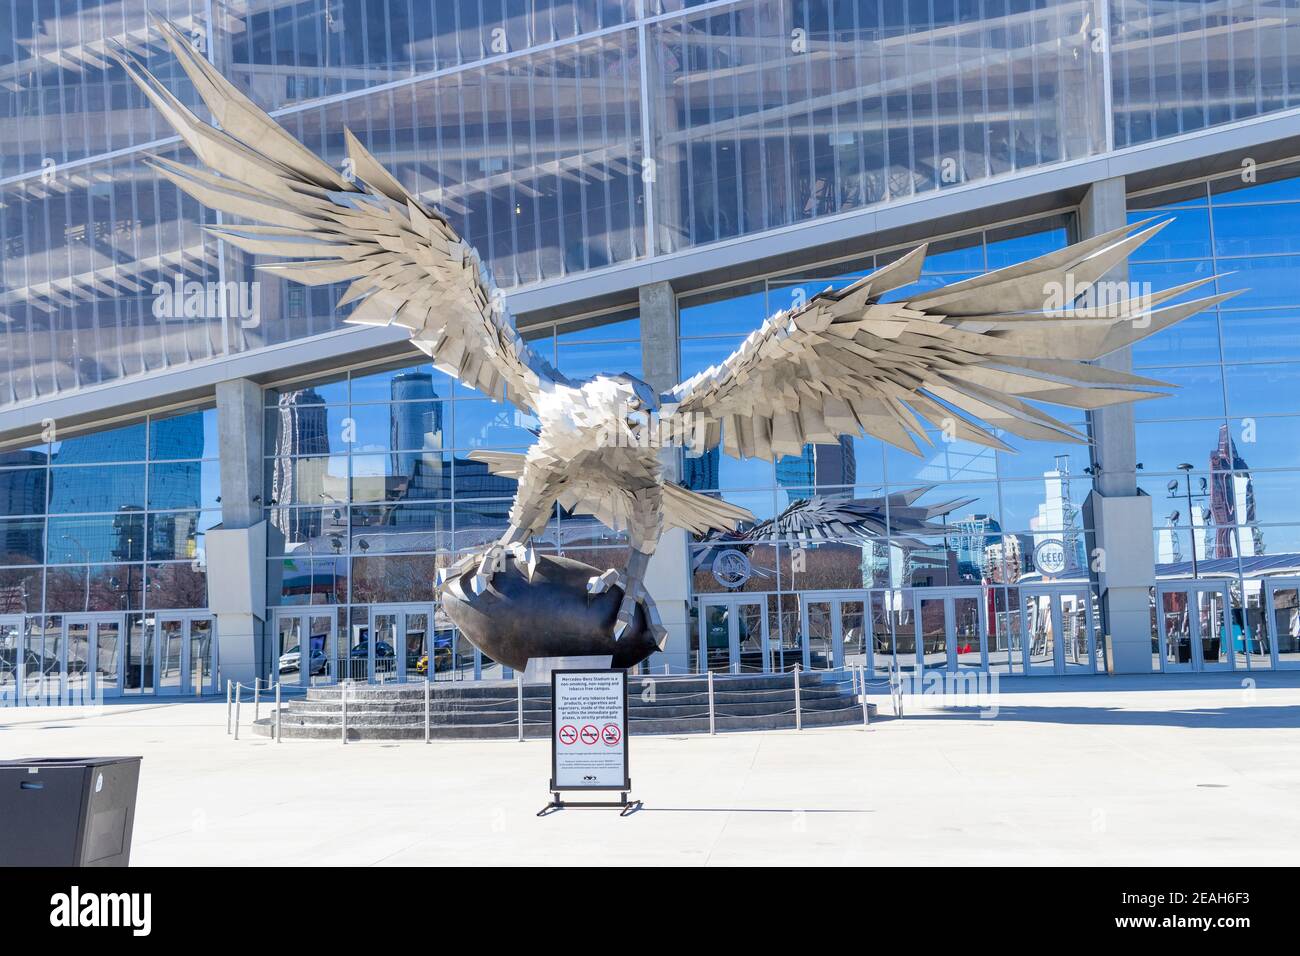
234,699
707,700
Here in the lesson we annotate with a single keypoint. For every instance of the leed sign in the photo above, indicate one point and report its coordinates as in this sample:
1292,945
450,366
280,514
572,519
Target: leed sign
589,738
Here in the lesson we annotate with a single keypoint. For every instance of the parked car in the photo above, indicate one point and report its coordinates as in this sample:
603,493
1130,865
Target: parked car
291,660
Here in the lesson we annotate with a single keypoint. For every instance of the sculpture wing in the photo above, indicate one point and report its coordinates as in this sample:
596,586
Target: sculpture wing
406,264
967,358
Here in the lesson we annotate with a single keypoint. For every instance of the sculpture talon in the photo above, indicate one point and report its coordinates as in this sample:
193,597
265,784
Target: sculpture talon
600,583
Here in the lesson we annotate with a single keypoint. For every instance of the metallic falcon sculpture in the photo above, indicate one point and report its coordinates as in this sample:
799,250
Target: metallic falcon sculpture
967,358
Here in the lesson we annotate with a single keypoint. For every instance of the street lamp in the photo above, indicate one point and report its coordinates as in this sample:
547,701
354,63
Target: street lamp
1174,493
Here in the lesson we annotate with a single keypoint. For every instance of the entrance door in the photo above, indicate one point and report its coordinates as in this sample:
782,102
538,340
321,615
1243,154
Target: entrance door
834,630
1195,626
400,644
734,635
138,655
304,642
1060,630
1280,635
87,656
184,648
950,630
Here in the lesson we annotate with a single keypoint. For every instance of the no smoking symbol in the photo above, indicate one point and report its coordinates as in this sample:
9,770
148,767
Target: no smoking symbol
589,735
611,735
568,734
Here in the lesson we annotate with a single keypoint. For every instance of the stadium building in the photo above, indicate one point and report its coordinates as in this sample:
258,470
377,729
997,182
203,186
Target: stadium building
648,180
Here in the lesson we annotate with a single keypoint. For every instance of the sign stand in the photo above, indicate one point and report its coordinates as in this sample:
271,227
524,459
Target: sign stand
589,739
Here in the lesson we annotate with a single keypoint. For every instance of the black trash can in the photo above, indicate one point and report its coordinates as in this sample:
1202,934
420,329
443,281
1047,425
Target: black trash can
67,811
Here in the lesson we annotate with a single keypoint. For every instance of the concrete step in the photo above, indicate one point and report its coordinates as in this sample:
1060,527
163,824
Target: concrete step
449,705
542,729
491,709
414,689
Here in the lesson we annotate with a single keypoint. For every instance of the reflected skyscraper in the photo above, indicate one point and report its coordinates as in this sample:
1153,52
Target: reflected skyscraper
302,433
1232,500
820,468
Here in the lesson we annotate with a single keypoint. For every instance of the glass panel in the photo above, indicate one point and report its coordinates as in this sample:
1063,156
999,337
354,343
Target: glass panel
417,631
383,630
1178,628
1004,632
934,634
820,635
1074,632
351,657
882,631
854,633
288,646
1214,636
966,626
78,665
200,654
106,660
138,678
749,623
172,635
717,653
320,640
52,662
1040,630
1284,615
10,634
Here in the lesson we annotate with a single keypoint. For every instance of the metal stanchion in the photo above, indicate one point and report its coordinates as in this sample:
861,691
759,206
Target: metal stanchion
519,693
866,708
426,708
798,709
229,686
257,698
238,688
278,738
343,696
713,728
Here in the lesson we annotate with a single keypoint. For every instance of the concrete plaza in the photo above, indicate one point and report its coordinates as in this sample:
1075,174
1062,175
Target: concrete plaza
1199,769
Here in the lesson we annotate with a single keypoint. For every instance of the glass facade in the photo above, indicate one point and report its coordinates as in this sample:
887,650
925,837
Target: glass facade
112,520
560,136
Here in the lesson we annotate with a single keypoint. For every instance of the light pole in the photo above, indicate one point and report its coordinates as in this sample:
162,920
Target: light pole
1174,493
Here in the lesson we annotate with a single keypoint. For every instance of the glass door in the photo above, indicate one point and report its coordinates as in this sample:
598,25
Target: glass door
1198,628
85,656
820,625
107,657
200,667
138,655
742,623
1281,633
417,659
185,665
171,651
967,646
932,643
381,649
304,641
288,649
854,647
1060,631
401,649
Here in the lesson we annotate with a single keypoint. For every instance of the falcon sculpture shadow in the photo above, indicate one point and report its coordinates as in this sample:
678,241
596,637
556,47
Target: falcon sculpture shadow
972,359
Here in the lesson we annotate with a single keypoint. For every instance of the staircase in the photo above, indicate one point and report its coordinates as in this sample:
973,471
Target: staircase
656,705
